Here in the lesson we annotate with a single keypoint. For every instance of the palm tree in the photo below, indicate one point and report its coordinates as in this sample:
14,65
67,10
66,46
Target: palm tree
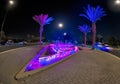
85,29
93,15
42,20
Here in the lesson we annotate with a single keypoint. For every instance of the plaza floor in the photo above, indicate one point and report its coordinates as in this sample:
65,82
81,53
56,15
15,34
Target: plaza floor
85,67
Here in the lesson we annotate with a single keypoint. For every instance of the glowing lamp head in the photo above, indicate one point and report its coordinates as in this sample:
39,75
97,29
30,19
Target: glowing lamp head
117,2
11,2
60,25
65,34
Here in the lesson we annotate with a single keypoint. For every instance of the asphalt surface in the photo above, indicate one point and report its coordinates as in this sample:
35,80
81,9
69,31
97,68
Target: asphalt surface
4,48
8,47
84,67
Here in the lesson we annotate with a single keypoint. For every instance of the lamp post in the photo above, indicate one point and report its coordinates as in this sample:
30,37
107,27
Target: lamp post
60,26
117,2
64,37
10,3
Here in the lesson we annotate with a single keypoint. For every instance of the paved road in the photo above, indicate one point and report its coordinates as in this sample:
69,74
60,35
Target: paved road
4,48
85,67
13,60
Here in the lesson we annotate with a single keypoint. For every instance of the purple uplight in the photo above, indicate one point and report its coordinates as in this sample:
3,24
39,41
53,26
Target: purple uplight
62,52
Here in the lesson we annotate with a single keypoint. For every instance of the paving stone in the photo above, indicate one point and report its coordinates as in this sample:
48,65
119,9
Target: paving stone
84,67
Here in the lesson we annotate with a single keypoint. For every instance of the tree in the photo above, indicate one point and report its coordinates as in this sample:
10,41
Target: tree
99,38
42,20
2,36
113,41
85,29
93,15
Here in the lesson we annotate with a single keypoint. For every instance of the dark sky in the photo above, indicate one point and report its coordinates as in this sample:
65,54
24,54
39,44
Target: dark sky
19,19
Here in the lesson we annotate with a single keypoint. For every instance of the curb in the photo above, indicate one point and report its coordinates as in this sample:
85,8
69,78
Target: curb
111,55
11,50
22,74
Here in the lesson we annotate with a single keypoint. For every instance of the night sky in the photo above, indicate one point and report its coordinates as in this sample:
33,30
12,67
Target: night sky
19,20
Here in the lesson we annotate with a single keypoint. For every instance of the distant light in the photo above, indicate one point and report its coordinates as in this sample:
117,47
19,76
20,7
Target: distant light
65,34
11,2
117,2
114,5
60,25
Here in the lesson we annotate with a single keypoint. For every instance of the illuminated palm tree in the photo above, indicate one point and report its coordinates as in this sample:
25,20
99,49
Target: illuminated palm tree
85,29
93,15
42,19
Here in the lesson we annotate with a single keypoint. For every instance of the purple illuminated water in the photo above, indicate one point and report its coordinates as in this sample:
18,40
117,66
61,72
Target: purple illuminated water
56,52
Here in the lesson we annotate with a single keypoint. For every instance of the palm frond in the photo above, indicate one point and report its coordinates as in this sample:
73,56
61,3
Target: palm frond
84,28
99,13
42,19
49,20
93,14
83,15
37,19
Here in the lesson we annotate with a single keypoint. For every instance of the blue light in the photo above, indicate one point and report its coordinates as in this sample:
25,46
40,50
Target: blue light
64,50
100,46
85,28
93,14
104,48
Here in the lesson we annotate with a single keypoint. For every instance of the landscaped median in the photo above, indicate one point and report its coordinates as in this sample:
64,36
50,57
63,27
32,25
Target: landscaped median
50,55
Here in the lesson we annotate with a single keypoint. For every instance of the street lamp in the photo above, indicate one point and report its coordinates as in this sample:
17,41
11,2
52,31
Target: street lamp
64,33
117,2
60,25
10,3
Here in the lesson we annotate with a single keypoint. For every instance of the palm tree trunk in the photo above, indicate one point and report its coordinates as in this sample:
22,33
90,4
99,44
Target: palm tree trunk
85,39
94,35
41,30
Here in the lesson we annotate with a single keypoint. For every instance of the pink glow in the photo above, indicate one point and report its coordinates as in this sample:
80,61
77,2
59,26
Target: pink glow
62,51
42,20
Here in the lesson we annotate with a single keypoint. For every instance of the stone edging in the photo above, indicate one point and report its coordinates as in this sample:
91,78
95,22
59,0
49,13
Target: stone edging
23,74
